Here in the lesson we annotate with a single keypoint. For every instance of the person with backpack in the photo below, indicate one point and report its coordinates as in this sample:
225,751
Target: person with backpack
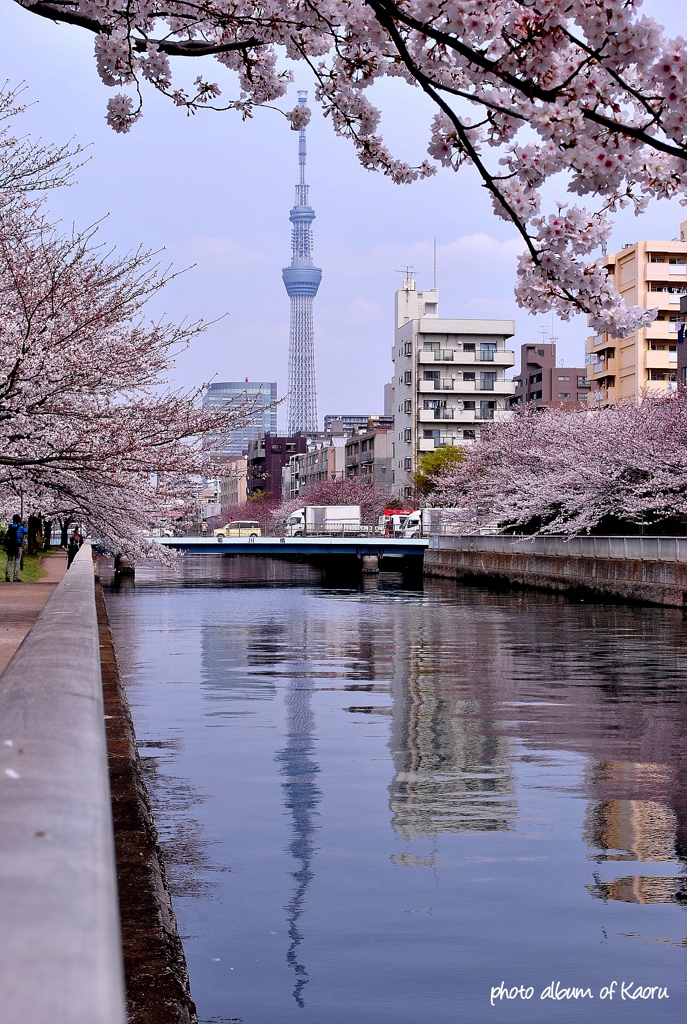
14,544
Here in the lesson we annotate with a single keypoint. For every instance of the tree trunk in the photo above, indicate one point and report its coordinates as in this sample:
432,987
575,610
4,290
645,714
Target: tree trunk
64,532
35,534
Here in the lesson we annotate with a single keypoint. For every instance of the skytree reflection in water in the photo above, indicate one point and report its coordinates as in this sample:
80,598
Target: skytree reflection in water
301,800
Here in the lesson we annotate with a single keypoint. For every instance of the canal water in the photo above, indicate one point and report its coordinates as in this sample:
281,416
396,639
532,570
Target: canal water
383,805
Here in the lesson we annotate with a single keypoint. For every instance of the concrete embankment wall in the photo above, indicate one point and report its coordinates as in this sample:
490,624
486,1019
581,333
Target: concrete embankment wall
66,875
60,945
647,570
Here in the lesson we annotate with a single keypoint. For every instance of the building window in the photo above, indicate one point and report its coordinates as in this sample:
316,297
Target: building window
408,377
431,346
431,375
468,346
679,261
487,380
408,348
535,396
655,347
536,378
582,396
468,375
407,464
363,446
408,405
408,434
407,492
468,405
487,350
276,449
564,394
486,410
582,382
541,352
564,378
657,259
469,435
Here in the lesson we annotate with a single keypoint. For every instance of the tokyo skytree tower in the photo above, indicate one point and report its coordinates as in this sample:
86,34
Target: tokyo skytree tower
301,281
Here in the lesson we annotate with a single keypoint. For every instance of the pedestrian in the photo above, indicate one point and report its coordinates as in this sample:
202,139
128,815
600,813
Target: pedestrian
14,546
204,528
75,542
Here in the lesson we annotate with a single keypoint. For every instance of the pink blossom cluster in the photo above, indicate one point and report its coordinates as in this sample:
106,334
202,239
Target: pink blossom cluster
590,90
356,491
556,471
87,429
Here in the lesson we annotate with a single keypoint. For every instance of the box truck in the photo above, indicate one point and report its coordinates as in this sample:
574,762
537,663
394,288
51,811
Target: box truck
324,521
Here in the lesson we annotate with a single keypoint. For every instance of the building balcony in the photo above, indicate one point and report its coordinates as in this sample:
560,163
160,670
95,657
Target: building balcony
502,357
660,360
659,330
430,386
603,368
426,444
664,271
430,415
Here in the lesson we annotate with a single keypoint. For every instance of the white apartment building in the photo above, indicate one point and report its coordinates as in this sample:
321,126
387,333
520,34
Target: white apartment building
449,379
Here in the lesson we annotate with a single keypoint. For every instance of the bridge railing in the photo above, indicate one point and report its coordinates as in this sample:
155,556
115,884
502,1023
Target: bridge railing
661,549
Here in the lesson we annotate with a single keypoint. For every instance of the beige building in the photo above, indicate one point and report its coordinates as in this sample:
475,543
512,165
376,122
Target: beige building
322,462
449,379
232,482
369,454
651,274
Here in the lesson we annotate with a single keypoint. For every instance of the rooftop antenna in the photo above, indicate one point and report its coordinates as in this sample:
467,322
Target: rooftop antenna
434,286
408,275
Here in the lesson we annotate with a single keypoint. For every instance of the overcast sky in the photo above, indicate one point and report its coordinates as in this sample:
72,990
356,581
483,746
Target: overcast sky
216,192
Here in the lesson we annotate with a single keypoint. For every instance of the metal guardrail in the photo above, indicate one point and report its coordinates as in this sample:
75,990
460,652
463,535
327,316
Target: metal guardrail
658,549
60,945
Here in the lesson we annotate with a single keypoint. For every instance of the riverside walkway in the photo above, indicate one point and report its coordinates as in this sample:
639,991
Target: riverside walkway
20,605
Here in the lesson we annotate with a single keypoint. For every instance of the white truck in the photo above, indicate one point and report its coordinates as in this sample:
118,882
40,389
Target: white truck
443,520
324,520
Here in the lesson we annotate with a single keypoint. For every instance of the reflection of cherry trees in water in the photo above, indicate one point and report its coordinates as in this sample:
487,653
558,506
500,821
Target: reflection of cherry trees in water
301,797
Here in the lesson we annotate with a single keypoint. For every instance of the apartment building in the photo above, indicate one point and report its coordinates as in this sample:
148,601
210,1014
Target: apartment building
233,478
543,383
321,462
347,423
267,456
449,379
369,454
652,274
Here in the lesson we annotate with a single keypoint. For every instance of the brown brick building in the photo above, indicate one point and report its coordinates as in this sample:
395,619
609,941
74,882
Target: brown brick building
544,383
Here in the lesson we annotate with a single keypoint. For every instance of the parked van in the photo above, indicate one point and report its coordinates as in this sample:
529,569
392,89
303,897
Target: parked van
240,528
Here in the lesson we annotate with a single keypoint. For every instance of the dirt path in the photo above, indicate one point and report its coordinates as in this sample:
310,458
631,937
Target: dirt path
21,604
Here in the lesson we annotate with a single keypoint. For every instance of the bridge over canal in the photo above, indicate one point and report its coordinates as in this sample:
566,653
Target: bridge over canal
372,553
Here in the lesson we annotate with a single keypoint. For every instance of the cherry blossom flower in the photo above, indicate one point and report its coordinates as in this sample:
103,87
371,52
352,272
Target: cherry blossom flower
590,93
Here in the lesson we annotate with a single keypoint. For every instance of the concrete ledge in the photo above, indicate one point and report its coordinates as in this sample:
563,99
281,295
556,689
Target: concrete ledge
60,946
628,579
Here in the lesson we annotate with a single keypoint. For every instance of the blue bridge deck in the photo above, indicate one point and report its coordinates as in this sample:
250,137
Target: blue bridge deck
353,547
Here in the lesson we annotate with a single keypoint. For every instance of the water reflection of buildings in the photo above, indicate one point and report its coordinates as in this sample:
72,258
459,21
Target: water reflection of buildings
450,753
605,682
